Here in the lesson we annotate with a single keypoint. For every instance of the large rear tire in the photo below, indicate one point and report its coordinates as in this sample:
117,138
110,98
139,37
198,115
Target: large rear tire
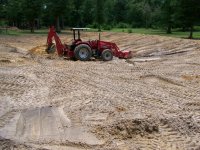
107,55
83,52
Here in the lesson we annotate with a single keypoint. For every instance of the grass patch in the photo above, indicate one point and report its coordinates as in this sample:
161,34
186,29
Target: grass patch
175,33
42,32
19,32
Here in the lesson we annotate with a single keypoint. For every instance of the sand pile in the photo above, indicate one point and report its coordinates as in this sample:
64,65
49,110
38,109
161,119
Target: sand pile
39,50
125,129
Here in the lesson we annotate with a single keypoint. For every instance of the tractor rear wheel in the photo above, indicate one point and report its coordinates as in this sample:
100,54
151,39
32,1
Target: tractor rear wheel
107,55
83,52
51,49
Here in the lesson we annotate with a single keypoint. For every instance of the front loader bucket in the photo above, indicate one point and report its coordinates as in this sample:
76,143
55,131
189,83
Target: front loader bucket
125,54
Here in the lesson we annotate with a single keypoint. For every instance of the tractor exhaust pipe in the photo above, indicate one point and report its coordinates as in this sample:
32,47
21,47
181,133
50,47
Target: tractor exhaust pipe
99,36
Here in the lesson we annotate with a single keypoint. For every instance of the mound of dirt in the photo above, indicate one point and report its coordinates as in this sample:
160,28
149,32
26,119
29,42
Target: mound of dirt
39,50
124,129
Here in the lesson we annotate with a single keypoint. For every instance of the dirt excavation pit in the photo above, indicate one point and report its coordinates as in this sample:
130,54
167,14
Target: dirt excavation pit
148,102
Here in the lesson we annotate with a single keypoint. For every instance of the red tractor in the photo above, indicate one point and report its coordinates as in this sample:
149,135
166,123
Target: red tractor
84,50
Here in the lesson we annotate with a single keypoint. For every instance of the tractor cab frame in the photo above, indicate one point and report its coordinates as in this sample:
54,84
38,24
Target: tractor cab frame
76,31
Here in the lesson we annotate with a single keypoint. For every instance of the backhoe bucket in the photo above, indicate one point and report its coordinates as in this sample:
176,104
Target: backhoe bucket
51,48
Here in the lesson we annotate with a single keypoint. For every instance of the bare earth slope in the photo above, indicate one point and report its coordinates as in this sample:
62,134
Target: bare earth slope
151,101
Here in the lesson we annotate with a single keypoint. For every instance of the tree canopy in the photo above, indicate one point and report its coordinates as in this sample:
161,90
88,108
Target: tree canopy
104,14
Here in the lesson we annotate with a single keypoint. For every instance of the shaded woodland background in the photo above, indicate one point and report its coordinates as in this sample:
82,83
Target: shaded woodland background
101,14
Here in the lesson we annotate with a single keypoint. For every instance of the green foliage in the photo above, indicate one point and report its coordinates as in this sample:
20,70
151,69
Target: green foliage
109,12
3,23
13,10
167,14
122,25
130,31
106,27
161,32
2,8
88,12
31,10
120,9
188,14
105,14
99,13
55,10
94,25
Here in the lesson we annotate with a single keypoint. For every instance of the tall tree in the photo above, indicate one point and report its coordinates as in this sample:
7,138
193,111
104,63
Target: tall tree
77,13
99,13
3,4
13,10
88,11
168,10
147,11
188,13
135,16
109,11
120,10
31,11
56,9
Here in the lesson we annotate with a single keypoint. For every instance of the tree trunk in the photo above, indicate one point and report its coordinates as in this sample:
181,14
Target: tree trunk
191,32
146,22
99,28
169,29
58,24
38,23
62,23
32,24
183,29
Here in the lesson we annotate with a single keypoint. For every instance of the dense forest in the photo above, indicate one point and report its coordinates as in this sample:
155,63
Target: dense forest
101,14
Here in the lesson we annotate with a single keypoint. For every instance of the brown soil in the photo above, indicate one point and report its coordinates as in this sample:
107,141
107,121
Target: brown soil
151,101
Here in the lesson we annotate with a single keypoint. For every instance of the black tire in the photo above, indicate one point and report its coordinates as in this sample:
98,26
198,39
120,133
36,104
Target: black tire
107,55
83,52
51,49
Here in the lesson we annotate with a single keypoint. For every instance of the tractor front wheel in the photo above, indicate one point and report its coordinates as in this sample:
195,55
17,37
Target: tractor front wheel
107,55
83,52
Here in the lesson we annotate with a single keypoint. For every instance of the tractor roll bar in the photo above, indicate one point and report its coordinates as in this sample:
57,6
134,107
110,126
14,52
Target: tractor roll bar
78,29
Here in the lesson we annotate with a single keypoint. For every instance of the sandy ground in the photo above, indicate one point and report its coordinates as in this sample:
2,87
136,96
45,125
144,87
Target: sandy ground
151,101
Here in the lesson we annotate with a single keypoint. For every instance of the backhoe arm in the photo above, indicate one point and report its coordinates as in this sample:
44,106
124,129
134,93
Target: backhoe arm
59,46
